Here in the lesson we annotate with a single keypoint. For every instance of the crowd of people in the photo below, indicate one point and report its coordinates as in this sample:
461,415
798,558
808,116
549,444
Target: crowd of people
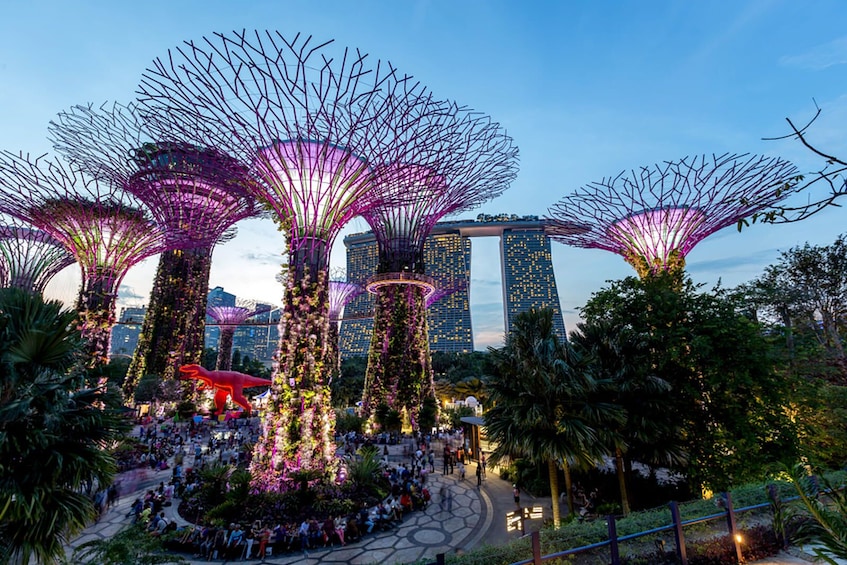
169,445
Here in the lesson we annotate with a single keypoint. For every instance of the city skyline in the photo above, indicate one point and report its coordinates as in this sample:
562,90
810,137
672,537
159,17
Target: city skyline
585,91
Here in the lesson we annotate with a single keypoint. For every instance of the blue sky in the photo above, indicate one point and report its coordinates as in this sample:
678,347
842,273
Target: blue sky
585,89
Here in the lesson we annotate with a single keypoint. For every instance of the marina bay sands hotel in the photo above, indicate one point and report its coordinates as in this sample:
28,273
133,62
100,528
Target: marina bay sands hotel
526,269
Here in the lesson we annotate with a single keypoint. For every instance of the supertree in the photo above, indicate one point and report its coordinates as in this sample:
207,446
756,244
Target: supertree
340,293
470,160
311,121
229,318
105,229
197,192
654,216
29,257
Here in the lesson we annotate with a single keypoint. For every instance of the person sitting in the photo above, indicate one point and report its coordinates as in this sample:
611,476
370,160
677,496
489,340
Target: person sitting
315,533
264,537
303,534
351,530
235,541
340,524
207,542
406,502
383,518
365,519
329,533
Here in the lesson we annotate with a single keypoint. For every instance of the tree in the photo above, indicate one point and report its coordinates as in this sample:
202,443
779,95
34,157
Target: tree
616,355
54,431
543,403
823,187
729,400
348,385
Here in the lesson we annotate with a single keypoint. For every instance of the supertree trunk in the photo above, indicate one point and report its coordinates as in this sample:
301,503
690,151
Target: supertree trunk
224,361
399,370
299,419
332,356
97,313
173,329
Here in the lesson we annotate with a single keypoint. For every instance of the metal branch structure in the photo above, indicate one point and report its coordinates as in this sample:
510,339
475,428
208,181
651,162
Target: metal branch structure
463,160
312,120
105,229
654,216
29,257
229,318
197,192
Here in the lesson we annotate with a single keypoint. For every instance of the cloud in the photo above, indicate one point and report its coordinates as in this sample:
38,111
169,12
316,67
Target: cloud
819,57
263,258
723,264
128,294
488,338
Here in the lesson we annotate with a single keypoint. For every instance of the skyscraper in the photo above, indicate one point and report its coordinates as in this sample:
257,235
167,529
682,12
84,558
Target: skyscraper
526,270
528,279
125,333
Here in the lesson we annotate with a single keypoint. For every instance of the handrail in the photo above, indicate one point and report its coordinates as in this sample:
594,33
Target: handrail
728,513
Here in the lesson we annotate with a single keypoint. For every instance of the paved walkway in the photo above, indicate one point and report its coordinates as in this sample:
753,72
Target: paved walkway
477,517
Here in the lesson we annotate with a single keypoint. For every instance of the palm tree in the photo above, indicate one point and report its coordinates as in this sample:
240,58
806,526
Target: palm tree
617,355
544,406
53,430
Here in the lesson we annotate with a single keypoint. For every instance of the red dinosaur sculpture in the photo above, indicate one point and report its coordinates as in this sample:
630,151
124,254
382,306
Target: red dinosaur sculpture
225,383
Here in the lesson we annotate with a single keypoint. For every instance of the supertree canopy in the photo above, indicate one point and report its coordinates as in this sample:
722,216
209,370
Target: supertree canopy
654,216
197,192
341,292
29,257
312,121
468,160
229,318
106,230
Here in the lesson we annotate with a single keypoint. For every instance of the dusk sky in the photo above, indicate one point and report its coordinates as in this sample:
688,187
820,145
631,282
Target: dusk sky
586,89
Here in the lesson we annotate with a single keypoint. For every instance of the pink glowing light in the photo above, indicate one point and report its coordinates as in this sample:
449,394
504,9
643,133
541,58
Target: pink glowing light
340,293
655,234
315,182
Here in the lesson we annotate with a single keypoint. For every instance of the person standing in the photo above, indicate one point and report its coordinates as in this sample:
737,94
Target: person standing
478,476
517,493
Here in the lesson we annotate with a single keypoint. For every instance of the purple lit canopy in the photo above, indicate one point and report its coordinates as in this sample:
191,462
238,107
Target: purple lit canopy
106,230
311,121
654,216
29,257
340,293
197,192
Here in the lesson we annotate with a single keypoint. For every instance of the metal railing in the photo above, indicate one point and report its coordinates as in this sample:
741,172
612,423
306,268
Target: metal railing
676,526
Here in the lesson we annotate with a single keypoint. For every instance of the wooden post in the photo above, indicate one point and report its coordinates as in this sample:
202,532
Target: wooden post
613,539
733,529
679,537
535,537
